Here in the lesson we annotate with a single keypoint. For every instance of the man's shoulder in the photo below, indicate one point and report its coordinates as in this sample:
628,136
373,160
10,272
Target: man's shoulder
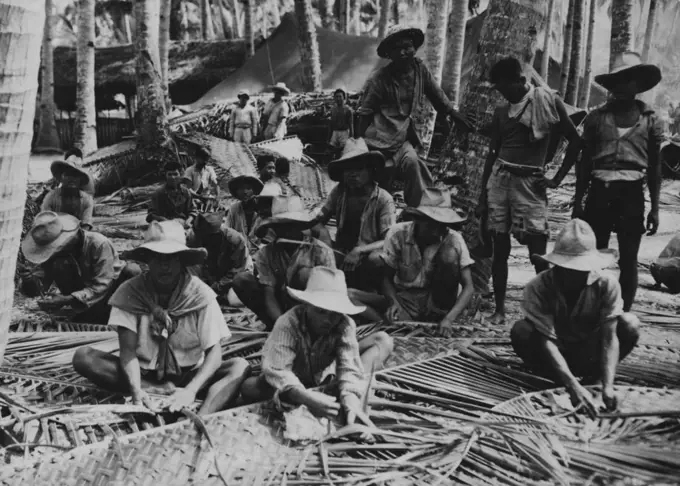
290,320
399,230
95,239
456,239
605,281
541,283
384,196
232,236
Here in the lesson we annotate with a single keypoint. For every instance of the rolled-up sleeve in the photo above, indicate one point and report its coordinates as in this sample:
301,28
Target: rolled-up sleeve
392,248
329,207
263,265
435,93
536,308
278,356
104,271
350,370
212,327
234,255
372,98
611,301
88,209
387,215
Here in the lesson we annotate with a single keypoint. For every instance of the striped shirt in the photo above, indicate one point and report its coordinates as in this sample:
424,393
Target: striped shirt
292,359
81,206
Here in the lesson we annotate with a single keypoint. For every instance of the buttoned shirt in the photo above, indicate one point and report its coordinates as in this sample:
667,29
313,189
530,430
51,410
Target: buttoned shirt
341,117
395,105
275,113
413,269
243,118
377,218
201,179
545,306
236,219
176,204
80,205
291,358
227,254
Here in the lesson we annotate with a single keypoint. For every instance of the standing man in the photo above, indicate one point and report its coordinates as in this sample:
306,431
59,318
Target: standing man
243,120
574,322
514,198
276,113
203,178
342,121
622,144
69,196
172,201
364,213
391,98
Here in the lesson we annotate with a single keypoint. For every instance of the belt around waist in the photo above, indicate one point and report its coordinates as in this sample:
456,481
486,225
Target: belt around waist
639,182
241,125
520,170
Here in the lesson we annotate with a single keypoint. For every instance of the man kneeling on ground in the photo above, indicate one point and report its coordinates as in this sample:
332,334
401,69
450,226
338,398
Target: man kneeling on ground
313,341
425,264
574,322
169,329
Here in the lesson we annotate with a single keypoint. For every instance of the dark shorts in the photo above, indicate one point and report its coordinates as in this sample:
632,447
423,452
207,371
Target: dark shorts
617,207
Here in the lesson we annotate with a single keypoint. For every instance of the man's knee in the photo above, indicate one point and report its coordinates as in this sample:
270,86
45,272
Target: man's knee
522,334
130,270
244,282
375,260
237,366
628,329
384,342
83,359
501,247
255,389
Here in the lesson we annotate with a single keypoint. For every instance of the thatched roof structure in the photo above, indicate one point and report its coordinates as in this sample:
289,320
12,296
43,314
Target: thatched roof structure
195,67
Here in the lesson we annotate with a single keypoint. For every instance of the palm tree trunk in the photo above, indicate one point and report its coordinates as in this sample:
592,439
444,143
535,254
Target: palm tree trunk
566,49
324,13
85,128
356,17
384,20
249,27
588,76
265,19
216,10
507,31
344,16
576,51
622,37
395,11
20,38
207,30
455,49
238,31
545,62
164,48
128,29
48,138
227,24
276,13
649,32
308,46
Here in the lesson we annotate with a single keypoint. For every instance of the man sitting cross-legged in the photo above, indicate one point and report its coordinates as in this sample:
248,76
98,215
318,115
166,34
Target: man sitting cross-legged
574,322
425,264
363,211
69,197
173,201
308,340
169,329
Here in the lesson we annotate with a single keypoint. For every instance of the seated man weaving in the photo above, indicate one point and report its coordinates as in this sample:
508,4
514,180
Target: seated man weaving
169,329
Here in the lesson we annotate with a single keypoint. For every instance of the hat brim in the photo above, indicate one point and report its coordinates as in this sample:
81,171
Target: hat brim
305,219
440,215
243,95
646,75
58,168
417,35
234,183
332,301
279,88
190,256
594,260
39,254
373,159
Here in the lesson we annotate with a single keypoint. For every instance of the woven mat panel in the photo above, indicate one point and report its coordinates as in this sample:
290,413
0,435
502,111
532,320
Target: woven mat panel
105,153
288,147
414,349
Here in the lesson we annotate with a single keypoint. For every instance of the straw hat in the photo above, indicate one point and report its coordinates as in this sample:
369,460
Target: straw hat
627,66
576,249
208,224
285,210
61,167
236,182
280,87
50,234
242,93
342,90
436,204
397,32
326,288
355,155
167,238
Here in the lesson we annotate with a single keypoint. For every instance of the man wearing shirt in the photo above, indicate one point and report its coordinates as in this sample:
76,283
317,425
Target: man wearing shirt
275,113
203,178
69,197
243,120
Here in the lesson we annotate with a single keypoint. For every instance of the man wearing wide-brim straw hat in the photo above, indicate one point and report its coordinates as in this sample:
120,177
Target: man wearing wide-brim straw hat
169,331
363,212
391,107
621,148
426,262
243,215
313,340
574,322
283,263
243,122
276,113
69,197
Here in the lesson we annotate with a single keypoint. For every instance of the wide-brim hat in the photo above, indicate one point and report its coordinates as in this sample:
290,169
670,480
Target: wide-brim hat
627,66
234,183
326,289
280,87
59,167
435,204
50,233
285,210
243,93
576,249
167,238
397,32
355,155
208,223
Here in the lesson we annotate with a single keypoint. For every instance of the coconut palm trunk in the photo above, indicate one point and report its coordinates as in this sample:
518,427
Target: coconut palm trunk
308,46
649,32
588,75
395,11
238,28
249,9
356,17
207,29
384,20
21,34
324,14
85,128
566,49
455,47
164,47
48,137
509,30
344,16
545,61
276,12
622,37
576,53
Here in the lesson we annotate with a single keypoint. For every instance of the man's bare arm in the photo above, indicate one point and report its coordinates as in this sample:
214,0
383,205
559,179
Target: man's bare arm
569,131
127,342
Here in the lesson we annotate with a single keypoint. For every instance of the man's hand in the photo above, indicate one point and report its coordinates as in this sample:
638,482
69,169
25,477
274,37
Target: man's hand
652,222
467,123
352,407
140,397
483,206
181,398
578,211
547,183
351,260
580,397
445,328
321,405
396,312
609,398
55,303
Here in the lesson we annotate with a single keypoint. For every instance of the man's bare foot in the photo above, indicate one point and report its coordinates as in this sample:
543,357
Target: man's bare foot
498,318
